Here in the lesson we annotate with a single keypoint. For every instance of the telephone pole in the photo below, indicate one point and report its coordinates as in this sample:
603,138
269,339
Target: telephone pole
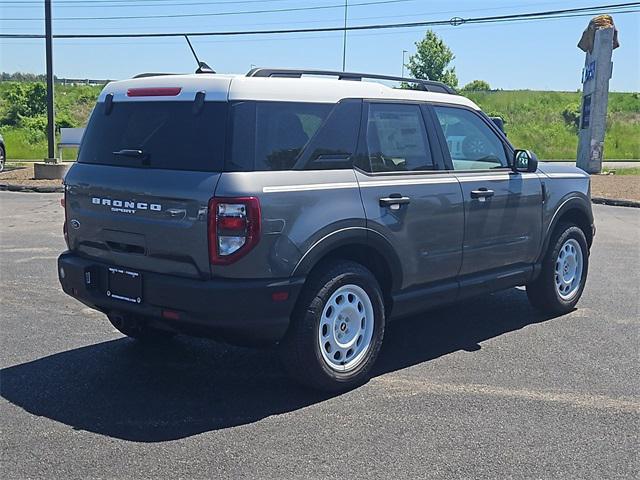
51,127
404,52
344,37
52,168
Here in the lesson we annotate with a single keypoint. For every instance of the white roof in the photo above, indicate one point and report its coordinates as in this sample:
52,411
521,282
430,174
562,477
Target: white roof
306,89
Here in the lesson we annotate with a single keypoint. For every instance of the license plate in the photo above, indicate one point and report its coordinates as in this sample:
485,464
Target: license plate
124,285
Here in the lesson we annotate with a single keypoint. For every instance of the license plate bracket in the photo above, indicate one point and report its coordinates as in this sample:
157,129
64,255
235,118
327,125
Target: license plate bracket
124,284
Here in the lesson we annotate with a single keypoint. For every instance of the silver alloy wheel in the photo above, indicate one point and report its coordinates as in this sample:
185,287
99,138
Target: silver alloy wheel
346,328
568,269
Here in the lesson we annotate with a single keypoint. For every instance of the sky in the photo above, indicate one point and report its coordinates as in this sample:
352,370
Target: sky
537,55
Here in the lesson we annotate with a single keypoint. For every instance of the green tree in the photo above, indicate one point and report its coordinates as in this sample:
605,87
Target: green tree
431,60
477,86
24,100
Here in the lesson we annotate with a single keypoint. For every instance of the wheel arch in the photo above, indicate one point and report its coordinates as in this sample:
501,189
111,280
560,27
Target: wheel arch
361,245
574,210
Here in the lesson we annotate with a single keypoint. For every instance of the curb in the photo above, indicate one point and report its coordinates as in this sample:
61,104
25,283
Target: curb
31,188
615,202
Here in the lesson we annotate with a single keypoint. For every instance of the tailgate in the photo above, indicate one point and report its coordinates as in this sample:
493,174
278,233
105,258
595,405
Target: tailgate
151,220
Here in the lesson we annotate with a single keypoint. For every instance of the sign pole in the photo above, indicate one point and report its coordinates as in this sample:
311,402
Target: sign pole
598,41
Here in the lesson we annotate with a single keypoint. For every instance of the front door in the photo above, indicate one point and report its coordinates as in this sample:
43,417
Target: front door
407,197
503,209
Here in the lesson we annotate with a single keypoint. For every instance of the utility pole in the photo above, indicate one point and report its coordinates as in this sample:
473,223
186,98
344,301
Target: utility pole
404,52
344,37
51,127
52,168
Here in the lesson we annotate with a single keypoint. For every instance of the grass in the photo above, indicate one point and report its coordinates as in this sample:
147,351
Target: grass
533,120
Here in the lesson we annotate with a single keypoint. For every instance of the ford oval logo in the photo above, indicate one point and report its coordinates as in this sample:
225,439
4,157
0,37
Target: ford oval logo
75,224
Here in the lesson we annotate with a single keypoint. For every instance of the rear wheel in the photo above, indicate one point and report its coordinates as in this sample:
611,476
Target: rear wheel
3,158
564,271
134,327
337,328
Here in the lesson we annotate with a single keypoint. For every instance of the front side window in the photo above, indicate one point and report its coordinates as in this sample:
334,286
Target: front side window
472,144
397,139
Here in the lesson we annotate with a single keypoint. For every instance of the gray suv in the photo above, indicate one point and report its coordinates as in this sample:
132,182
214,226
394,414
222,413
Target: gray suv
284,207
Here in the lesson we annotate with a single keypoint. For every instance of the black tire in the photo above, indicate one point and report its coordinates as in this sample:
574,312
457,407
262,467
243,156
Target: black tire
300,349
3,158
542,292
138,329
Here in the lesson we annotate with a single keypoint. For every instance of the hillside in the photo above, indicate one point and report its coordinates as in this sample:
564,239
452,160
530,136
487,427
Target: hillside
545,122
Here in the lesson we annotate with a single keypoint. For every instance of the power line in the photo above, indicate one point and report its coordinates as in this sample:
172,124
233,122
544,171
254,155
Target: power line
216,14
125,3
331,20
329,35
38,3
454,21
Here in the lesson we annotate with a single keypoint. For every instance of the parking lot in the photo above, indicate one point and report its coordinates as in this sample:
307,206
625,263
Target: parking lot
486,389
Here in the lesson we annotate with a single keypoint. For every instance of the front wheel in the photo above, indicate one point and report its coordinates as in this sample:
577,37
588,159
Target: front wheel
337,328
564,272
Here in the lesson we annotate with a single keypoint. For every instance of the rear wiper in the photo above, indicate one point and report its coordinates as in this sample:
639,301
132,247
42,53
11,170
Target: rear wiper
125,152
129,153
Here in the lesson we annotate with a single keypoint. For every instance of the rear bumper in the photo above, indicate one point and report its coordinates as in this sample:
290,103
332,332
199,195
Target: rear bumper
242,311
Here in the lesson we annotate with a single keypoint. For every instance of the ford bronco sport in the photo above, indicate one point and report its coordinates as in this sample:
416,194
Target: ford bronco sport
284,207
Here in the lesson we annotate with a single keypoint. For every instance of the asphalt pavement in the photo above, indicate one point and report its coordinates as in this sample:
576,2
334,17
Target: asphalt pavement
486,389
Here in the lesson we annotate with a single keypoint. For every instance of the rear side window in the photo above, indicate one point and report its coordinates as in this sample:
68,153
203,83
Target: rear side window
335,142
164,135
272,135
397,138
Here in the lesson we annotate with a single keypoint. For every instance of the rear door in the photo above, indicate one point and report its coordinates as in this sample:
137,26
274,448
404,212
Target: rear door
503,209
138,195
407,197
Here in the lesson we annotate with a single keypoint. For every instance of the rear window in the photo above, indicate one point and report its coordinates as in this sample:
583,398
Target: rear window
165,135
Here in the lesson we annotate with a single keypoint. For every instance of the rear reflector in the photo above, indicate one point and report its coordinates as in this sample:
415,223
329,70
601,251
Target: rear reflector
170,315
154,92
280,296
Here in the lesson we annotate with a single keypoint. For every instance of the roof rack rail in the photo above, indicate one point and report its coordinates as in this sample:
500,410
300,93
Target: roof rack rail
426,85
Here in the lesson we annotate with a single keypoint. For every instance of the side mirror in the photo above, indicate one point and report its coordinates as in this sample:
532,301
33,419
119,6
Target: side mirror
524,161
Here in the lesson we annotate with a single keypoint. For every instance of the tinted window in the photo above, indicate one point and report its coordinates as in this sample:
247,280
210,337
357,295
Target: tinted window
335,142
396,138
472,144
271,135
165,135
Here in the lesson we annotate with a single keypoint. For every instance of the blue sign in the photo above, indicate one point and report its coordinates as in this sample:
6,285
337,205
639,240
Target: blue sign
589,72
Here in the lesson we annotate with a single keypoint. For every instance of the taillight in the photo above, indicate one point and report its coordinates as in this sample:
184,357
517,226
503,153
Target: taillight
233,228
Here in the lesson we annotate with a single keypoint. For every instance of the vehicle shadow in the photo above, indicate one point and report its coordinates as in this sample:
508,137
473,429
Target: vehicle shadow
189,386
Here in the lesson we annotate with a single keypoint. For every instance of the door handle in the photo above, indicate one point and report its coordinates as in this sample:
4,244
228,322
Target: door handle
394,201
482,193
